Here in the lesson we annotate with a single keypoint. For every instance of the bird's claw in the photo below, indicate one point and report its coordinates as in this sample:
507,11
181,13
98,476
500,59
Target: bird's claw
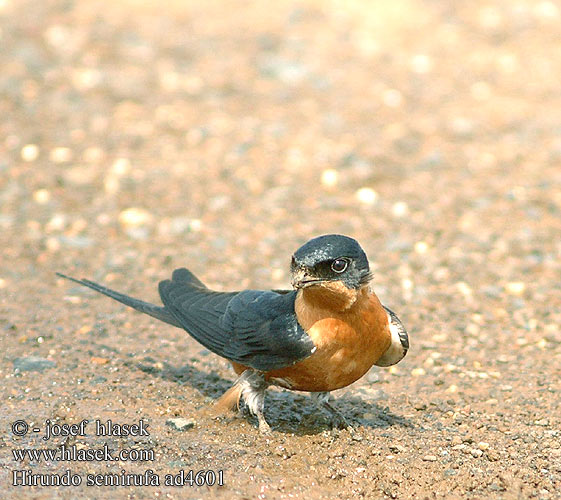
339,422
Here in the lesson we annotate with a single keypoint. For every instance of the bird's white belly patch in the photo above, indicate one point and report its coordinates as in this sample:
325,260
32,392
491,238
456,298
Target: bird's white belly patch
396,350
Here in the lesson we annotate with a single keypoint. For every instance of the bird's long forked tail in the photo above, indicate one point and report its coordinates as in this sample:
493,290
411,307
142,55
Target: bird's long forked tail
153,310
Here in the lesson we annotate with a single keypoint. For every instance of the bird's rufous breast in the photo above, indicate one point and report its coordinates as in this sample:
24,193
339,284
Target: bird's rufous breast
350,331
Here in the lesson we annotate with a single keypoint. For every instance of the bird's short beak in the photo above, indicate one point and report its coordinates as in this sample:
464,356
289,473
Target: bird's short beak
301,279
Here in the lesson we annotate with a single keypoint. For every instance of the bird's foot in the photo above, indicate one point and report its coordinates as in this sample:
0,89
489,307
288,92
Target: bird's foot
337,419
264,427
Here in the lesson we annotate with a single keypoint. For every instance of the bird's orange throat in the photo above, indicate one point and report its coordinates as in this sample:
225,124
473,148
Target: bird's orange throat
331,295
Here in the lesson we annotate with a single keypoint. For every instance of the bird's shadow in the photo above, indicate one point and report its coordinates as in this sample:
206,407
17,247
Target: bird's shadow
288,412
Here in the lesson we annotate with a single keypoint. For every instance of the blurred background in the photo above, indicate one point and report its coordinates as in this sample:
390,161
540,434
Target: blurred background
138,136
222,136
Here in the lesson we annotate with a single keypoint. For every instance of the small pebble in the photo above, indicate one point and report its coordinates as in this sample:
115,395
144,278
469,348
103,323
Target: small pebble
439,337
366,196
98,361
41,196
430,458
329,178
406,284
57,223
121,166
378,395
73,299
516,288
392,98
134,217
461,126
30,152
421,247
473,329
400,209
476,453
60,155
195,225
421,64
32,364
53,244
464,288
374,394
542,343
84,329
482,445
86,78
441,274
181,424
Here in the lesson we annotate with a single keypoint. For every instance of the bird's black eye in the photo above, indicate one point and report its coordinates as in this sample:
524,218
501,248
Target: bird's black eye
339,265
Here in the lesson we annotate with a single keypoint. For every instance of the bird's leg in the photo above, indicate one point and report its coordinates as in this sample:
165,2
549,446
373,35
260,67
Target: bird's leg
253,386
264,427
337,418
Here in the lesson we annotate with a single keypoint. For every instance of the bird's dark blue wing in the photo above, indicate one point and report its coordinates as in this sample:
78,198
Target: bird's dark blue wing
255,328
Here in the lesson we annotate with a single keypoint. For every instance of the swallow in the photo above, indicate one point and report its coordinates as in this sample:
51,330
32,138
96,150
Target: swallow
322,335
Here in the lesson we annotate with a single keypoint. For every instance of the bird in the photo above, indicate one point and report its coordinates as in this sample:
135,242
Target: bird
322,335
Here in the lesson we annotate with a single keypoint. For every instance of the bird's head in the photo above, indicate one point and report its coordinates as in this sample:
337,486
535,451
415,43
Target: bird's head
329,261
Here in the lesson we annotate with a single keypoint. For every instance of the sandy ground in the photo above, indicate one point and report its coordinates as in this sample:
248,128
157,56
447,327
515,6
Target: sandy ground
137,137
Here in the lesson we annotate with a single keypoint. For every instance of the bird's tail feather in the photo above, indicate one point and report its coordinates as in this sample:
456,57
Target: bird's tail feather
153,310
230,400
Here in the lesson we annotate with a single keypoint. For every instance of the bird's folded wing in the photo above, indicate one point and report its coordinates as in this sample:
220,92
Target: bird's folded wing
254,328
